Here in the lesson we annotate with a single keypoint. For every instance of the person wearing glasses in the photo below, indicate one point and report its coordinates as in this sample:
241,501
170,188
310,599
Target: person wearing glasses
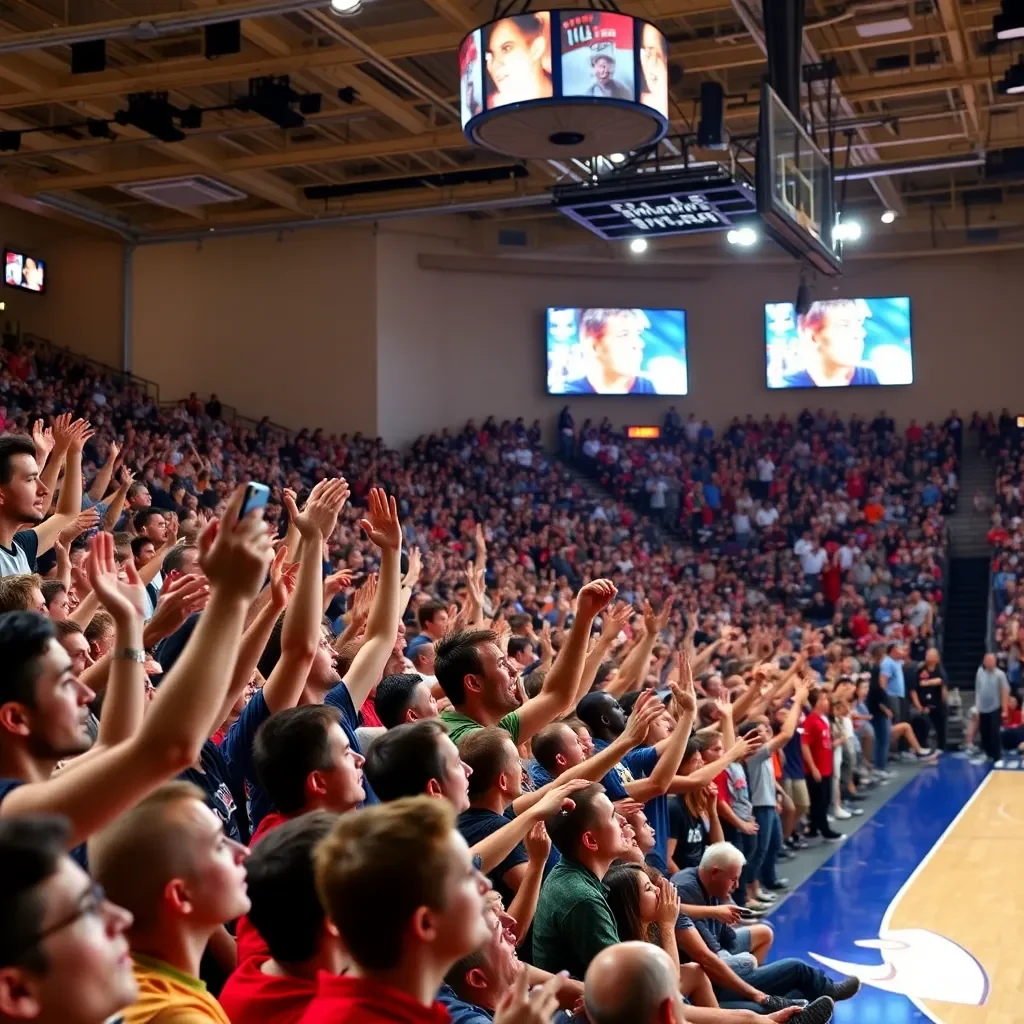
169,862
63,953
400,888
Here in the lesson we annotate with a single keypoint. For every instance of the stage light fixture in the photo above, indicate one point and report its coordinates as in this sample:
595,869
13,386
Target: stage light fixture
151,113
638,246
346,6
888,217
1012,83
617,158
347,94
273,98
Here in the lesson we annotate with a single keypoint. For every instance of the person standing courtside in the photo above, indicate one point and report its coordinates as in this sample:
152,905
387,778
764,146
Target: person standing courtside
992,700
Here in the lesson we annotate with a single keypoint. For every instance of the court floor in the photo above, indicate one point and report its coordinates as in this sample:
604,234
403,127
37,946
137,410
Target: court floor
924,904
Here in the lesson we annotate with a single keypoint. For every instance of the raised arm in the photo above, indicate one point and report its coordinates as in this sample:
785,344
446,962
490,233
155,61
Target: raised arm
384,528
561,684
101,481
70,503
300,635
235,556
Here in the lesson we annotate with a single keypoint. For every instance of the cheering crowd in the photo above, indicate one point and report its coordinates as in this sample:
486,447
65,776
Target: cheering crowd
433,736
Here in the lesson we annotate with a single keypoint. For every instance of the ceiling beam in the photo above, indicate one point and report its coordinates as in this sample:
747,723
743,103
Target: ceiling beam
956,37
292,156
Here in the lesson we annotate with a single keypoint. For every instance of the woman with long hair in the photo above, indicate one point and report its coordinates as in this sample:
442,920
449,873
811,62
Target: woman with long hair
645,906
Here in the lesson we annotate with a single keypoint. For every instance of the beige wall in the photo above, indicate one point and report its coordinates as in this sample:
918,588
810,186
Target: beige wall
282,326
345,329
462,344
84,301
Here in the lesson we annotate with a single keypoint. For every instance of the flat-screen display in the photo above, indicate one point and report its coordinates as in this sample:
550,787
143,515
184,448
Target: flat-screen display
839,343
616,351
471,77
517,56
25,272
597,55
654,69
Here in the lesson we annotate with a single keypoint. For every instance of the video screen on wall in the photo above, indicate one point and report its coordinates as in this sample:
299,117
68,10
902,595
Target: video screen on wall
597,55
517,59
25,272
616,351
839,343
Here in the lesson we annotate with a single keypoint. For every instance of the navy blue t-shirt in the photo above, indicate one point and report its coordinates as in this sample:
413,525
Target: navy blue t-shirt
478,823
77,853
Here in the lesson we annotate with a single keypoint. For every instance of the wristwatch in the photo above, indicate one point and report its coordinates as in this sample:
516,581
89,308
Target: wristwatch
129,654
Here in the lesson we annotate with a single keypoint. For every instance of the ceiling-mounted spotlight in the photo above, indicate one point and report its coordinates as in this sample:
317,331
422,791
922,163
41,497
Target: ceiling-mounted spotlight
347,94
745,237
638,245
617,158
847,231
1009,23
98,128
346,6
888,216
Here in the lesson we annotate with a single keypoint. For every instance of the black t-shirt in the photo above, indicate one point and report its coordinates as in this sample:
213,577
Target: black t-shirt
930,696
77,853
689,832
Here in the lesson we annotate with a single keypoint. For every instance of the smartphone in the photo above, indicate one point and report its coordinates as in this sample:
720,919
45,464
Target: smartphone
256,496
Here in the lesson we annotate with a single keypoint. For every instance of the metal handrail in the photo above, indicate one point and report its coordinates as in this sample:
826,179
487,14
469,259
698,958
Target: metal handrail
230,414
150,387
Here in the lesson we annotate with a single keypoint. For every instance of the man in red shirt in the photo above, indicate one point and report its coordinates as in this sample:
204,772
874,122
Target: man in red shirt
816,742
276,986
401,889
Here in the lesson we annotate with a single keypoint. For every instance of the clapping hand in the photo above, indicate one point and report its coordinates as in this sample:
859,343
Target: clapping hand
521,1006
381,524
668,904
646,711
123,599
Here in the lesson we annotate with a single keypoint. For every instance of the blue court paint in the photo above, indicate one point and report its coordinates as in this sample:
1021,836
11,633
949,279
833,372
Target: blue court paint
847,897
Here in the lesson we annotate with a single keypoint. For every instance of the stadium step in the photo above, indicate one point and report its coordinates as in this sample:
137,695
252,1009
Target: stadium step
966,618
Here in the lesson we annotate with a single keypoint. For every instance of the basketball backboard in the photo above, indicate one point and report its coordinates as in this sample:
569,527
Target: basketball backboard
794,187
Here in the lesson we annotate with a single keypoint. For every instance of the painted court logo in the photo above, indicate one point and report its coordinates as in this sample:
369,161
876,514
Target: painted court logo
920,965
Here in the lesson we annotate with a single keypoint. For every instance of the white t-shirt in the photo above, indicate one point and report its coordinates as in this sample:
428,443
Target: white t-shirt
813,561
765,470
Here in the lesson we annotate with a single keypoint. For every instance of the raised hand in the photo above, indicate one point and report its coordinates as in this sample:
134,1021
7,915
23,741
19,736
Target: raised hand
594,598
87,519
561,796
42,438
646,711
319,515
616,618
745,746
521,1006
283,577
125,600
80,432
364,599
547,649
538,843
125,478
381,524
668,904
179,598
236,553
336,583
412,576
62,432
661,620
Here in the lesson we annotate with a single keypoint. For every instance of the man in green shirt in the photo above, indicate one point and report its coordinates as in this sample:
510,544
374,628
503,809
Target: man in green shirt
483,685
573,921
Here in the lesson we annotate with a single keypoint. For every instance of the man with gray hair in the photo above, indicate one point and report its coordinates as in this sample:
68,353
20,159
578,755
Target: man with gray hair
637,983
714,945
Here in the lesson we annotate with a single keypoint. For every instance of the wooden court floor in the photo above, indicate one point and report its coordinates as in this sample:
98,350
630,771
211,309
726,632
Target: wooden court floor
970,889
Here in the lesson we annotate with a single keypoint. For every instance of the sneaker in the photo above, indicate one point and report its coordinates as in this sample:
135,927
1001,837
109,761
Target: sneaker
845,989
883,774
800,844
786,854
818,1012
772,1004
758,908
780,884
855,812
925,751
763,896
979,760
834,837
854,797
841,813
929,760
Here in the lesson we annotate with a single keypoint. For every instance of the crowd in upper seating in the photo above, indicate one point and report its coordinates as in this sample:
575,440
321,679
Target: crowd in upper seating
440,734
